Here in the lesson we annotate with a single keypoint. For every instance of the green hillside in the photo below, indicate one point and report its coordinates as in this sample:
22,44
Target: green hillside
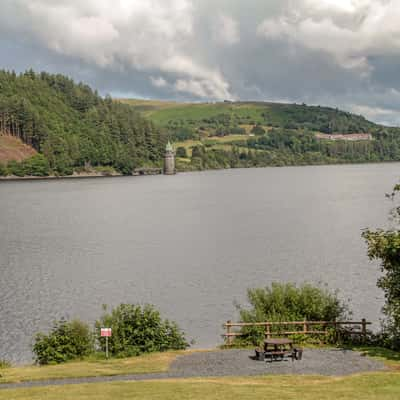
247,134
72,127
212,116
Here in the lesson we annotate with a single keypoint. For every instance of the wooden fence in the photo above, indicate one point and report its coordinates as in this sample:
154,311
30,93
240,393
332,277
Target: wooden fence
304,328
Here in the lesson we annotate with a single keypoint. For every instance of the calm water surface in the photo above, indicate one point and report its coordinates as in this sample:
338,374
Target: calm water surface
190,244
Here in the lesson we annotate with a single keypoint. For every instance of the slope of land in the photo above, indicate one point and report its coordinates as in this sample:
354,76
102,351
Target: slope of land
13,149
252,134
211,116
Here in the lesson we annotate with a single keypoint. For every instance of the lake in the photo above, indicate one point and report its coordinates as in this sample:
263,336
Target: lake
191,244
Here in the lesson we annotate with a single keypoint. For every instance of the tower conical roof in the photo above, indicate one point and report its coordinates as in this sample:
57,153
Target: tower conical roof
169,147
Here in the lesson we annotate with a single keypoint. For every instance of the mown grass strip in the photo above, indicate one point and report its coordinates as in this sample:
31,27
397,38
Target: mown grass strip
382,386
146,364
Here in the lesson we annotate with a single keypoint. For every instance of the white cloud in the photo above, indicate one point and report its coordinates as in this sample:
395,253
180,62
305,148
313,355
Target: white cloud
202,88
158,82
349,30
136,34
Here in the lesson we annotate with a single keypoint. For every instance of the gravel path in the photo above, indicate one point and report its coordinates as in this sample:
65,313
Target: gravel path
334,362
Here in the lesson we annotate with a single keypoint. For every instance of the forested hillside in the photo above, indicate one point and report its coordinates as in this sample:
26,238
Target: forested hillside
72,127
248,134
59,127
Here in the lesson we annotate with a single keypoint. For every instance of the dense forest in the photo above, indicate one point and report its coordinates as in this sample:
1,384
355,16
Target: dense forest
72,127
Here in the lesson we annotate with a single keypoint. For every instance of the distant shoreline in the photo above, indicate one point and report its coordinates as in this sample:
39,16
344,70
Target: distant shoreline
13,178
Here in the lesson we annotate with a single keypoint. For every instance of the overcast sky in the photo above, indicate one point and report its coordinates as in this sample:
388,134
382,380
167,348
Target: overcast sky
343,53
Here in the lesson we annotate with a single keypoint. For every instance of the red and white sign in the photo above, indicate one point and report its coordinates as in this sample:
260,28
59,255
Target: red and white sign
105,332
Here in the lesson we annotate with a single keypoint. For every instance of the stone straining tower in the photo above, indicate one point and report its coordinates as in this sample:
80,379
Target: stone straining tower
169,160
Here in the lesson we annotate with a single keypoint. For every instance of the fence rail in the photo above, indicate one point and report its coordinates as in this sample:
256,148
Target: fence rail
353,328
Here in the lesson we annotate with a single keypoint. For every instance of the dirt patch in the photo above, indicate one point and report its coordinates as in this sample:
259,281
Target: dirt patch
13,149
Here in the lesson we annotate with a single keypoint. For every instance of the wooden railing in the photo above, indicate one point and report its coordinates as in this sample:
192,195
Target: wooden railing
306,328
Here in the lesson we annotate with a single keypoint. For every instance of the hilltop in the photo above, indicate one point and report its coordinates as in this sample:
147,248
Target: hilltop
247,134
212,117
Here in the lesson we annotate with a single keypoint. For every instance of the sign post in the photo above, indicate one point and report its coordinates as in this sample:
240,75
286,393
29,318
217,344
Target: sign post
106,332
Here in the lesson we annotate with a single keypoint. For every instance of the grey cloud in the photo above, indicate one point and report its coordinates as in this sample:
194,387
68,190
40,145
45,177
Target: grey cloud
315,51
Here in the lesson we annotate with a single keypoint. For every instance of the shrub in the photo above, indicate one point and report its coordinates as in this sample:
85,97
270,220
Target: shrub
287,302
66,341
237,130
4,364
16,168
3,170
197,151
181,152
137,330
37,165
258,130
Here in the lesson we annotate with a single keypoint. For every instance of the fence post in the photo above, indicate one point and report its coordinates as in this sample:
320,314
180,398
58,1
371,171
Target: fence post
364,328
228,332
267,331
305,327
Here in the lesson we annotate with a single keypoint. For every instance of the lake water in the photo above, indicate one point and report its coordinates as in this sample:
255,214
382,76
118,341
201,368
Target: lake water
190,244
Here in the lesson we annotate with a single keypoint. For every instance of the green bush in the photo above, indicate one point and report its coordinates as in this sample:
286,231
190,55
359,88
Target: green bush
4,364
137,330
287,302
3,170
181,152
258,130
16,168
66,341
37,165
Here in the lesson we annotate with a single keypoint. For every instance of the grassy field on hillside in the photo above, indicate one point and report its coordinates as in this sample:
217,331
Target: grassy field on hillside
282,115
162,113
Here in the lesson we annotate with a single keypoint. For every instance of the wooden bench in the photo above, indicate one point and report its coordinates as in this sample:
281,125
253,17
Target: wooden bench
294,354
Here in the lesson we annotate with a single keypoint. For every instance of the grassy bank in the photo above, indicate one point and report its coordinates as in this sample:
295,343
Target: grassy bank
151,363
383,386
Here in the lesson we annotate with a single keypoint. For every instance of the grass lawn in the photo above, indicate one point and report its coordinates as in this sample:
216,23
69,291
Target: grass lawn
367,386
389,357
382,386
158,362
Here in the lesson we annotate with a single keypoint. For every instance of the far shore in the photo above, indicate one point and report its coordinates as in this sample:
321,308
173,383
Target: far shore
83,175
88,175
